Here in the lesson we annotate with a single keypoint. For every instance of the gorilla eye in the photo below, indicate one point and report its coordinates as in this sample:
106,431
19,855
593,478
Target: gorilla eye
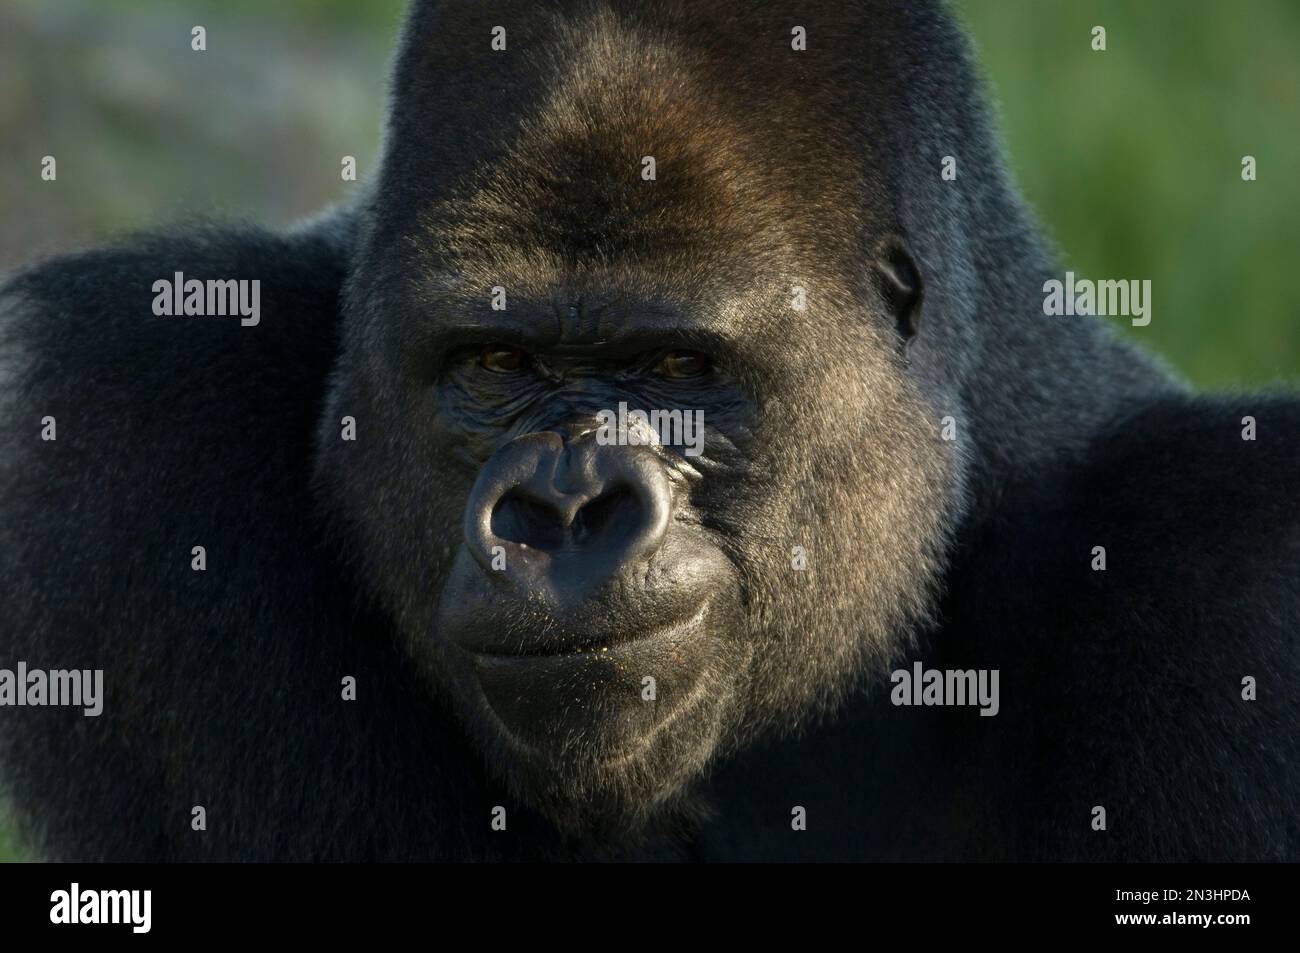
682,364
502,360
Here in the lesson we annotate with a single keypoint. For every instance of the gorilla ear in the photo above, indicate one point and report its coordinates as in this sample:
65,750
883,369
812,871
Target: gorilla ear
900,284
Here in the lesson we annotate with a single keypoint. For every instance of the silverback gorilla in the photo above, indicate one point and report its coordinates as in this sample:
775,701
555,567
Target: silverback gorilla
374,577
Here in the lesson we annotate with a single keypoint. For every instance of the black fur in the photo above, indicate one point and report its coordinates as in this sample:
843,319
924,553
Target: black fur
329,558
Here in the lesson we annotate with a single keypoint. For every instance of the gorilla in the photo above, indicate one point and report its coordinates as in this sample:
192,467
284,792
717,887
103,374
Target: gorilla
395,570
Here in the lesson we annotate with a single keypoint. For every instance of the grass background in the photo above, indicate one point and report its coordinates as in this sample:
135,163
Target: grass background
1131,156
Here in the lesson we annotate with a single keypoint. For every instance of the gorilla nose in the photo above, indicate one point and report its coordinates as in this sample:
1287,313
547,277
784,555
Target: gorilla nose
567,514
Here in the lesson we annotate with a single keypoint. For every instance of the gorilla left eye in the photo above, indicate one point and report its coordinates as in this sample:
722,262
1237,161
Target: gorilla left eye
502,360
682,364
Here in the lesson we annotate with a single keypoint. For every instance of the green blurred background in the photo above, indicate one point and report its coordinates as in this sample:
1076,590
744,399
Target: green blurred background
1132,156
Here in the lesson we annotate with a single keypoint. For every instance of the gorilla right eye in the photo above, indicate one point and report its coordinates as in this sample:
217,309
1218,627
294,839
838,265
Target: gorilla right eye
503,360
680,365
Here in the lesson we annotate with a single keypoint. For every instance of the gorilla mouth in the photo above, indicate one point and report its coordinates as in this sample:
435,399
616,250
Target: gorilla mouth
608,646
608,695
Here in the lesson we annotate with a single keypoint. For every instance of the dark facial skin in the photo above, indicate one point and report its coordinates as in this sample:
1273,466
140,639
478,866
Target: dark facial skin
605,573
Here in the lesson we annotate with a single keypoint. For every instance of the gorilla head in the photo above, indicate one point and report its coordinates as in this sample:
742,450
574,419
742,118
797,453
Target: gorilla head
608,615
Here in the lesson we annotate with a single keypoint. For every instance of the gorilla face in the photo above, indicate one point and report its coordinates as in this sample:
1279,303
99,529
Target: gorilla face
605,612
587,610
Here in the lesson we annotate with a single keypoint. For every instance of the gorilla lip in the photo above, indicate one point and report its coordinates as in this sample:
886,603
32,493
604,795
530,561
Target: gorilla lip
609,648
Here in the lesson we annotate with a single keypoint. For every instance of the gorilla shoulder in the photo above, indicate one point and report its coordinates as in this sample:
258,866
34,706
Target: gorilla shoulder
85,327
114,413
1149,598
139,447
139,400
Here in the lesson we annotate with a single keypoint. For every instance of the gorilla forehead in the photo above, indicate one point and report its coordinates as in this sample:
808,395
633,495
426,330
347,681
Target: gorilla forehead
741,192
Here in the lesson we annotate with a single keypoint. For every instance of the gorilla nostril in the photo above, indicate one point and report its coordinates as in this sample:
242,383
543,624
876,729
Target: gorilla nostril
518,519
614,515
